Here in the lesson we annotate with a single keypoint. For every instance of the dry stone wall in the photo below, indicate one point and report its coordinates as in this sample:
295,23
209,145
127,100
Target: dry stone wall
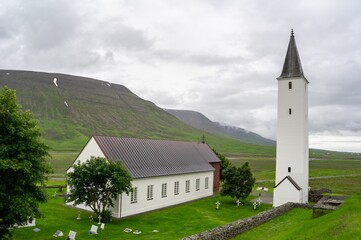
235,228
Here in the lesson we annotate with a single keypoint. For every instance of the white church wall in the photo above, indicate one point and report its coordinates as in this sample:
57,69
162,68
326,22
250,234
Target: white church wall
292,132
144,205
90,150
286,192
292,135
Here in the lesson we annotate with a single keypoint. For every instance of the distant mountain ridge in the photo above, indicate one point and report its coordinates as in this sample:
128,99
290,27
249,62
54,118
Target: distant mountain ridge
201,122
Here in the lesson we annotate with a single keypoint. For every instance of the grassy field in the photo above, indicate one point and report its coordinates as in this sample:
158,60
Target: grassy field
61,161
172,223
328,165
344,223
336,171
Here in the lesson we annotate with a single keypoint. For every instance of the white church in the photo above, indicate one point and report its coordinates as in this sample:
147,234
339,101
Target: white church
292,131
164,172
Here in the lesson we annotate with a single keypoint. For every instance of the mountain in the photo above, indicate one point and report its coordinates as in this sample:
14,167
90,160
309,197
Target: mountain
70,109
201,122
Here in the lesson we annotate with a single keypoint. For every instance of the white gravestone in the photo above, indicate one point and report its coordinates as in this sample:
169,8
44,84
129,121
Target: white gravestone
217,205
93,229
71,235
254,205
58,234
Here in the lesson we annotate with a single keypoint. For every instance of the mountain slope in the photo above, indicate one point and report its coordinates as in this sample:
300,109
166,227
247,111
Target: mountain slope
198,120
71,108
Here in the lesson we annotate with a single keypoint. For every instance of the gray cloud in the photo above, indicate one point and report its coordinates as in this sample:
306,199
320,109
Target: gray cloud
221,58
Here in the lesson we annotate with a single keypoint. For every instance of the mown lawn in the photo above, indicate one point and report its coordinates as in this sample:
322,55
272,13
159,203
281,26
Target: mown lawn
172,223
344,223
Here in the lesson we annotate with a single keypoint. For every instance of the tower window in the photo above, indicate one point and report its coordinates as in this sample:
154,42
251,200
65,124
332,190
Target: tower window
289,85
289,111
289,169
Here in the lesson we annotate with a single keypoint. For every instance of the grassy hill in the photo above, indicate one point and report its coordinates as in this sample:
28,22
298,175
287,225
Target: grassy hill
95,107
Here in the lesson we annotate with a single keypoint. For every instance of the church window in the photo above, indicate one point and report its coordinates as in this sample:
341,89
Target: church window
289,85
188,183
197,184
150,192
176,188
289,111
289,169
164,190
134,195
206,184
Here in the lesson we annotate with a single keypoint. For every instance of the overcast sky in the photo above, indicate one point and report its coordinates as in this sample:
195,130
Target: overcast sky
220,58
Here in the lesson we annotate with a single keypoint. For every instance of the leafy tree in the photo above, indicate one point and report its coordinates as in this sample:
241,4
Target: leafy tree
238,182
96,182
225,163
23,165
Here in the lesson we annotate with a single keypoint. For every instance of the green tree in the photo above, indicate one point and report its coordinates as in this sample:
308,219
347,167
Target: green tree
238,182
96,182
225,163
23,164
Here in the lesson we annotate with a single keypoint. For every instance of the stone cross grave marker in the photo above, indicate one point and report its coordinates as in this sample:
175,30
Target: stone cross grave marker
218,204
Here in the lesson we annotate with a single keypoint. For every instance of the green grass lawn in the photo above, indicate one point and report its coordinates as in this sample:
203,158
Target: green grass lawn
344,223
172,223
339,185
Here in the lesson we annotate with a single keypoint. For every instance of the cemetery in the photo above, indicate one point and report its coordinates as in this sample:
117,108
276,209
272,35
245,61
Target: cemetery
64,221
61,221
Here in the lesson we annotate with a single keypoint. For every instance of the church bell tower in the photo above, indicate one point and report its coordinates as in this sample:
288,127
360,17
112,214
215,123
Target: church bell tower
292,131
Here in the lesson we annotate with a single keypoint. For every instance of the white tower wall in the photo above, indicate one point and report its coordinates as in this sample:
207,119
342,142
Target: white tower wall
292,135
292,160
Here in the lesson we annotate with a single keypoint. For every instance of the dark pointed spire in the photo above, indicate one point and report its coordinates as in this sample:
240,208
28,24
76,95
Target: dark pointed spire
292,65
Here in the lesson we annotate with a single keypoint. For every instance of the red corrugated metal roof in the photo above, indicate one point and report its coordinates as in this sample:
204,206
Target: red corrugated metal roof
148,158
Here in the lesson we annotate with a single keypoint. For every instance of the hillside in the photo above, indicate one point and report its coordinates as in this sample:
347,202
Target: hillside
71,109
199,121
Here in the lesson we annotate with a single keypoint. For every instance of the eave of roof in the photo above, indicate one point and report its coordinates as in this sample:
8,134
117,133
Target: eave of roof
149,158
